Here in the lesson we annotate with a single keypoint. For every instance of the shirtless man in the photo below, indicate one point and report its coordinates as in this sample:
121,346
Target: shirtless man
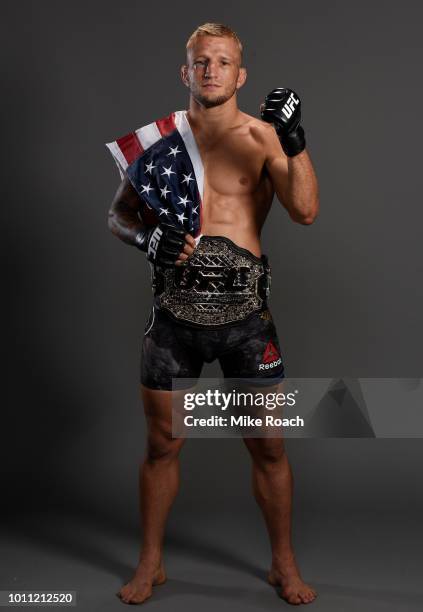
246,160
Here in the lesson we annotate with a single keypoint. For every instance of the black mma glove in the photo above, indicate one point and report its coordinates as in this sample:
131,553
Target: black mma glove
162,243
282,107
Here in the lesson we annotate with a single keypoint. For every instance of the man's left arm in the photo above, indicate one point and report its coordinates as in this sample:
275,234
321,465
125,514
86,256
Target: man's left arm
286,159
293,179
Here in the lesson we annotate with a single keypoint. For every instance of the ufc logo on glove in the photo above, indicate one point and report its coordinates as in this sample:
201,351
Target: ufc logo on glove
290,105
154,242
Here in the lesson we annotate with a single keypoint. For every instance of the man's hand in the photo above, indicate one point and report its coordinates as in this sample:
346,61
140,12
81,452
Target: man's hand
188,250
166,245
282,107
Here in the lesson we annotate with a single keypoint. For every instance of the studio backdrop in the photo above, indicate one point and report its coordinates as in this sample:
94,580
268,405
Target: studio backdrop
347,296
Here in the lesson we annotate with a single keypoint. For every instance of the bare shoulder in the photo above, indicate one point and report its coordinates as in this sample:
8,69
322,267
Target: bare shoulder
261,131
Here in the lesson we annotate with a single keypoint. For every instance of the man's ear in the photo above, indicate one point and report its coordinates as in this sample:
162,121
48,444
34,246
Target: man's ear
184,75
242,77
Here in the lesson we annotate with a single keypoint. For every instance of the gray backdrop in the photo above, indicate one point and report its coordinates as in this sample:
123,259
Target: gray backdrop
347,299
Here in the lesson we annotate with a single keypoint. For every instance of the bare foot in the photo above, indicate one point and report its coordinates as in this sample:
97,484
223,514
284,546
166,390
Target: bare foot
140,587
294,589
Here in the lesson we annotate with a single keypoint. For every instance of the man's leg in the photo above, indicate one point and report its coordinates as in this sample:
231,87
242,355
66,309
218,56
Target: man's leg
272,486
159,482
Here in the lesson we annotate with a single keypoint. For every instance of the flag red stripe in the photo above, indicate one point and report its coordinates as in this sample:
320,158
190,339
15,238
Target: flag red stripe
130,147
167,125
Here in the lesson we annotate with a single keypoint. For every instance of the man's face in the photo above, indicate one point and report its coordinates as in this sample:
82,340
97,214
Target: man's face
213,72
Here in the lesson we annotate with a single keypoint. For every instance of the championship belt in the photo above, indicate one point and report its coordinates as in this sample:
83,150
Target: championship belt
219,284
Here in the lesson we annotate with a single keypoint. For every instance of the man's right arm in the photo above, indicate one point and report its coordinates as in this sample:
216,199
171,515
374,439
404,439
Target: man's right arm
164,244
124,220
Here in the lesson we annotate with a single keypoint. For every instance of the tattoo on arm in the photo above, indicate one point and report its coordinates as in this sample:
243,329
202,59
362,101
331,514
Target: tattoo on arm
124,215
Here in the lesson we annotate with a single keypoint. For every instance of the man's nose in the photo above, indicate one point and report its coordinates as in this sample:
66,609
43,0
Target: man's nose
210,69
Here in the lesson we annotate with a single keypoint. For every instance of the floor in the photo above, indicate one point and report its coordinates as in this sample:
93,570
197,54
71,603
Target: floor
365,563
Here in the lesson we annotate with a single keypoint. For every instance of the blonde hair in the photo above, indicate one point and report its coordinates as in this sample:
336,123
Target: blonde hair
214,29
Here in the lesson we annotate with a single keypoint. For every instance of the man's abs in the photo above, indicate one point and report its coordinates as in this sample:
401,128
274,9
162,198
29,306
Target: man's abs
238,218
237,189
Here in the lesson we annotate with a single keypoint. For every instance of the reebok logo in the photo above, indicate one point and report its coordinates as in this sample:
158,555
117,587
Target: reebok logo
270,358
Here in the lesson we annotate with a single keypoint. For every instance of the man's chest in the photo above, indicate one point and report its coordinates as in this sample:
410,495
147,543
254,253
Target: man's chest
233,164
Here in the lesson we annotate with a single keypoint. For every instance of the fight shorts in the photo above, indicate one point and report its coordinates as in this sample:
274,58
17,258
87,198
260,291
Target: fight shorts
214,307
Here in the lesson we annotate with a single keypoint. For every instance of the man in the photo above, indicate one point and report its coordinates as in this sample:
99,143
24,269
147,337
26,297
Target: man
239,162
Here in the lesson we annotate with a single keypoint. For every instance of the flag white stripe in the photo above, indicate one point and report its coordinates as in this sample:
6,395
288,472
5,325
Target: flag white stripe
187,136
148,135
118,156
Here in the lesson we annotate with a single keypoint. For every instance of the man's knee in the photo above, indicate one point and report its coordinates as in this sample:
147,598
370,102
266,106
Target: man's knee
162,447
266,451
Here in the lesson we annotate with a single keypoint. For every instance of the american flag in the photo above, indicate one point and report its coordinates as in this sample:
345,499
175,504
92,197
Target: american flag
164,166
